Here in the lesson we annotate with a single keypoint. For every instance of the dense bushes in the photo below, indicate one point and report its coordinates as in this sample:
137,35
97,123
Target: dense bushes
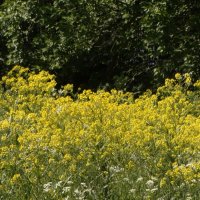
103,145
127,44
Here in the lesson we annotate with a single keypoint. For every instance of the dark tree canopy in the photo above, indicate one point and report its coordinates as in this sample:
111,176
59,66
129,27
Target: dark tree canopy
128,44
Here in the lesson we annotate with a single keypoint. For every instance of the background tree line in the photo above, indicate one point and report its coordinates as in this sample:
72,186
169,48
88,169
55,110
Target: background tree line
126,44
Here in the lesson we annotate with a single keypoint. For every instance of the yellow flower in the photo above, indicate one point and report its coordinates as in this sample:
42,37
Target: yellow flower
15,178
50,136
178,76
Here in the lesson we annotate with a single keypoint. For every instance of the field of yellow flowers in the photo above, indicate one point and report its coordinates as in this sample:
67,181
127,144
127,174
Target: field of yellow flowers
98,145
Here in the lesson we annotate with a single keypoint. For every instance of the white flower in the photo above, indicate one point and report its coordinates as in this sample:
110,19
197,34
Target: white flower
47,187
83,185
116,169
193,181
59,109
154,178
154,189
69,182
66,189
76,191
58,184
161,198
132,190
150,183
140,179
188,196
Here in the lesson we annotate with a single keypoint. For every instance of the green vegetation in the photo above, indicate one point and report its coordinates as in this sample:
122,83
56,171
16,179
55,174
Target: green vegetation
124,44
95,112
98,145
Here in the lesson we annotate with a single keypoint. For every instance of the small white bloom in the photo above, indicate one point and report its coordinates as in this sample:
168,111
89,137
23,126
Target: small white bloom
193,181
140,179
66,189
188,196
77,191
182,185
153,190
69,182
161,198
116,169
59,109
47,186
154,178
83,185
132,191
58,184
150,183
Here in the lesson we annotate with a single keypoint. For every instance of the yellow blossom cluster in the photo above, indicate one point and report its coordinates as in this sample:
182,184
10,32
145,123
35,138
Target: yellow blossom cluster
98,145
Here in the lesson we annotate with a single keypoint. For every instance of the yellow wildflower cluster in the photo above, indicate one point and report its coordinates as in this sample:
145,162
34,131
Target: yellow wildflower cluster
98,145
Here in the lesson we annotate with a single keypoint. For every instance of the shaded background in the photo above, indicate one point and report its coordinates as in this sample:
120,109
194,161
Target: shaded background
129,45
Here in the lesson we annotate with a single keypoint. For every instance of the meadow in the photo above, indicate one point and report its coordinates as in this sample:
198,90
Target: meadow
58,145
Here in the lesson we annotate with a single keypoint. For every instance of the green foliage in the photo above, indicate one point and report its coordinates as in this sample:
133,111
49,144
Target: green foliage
128,44
171,34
